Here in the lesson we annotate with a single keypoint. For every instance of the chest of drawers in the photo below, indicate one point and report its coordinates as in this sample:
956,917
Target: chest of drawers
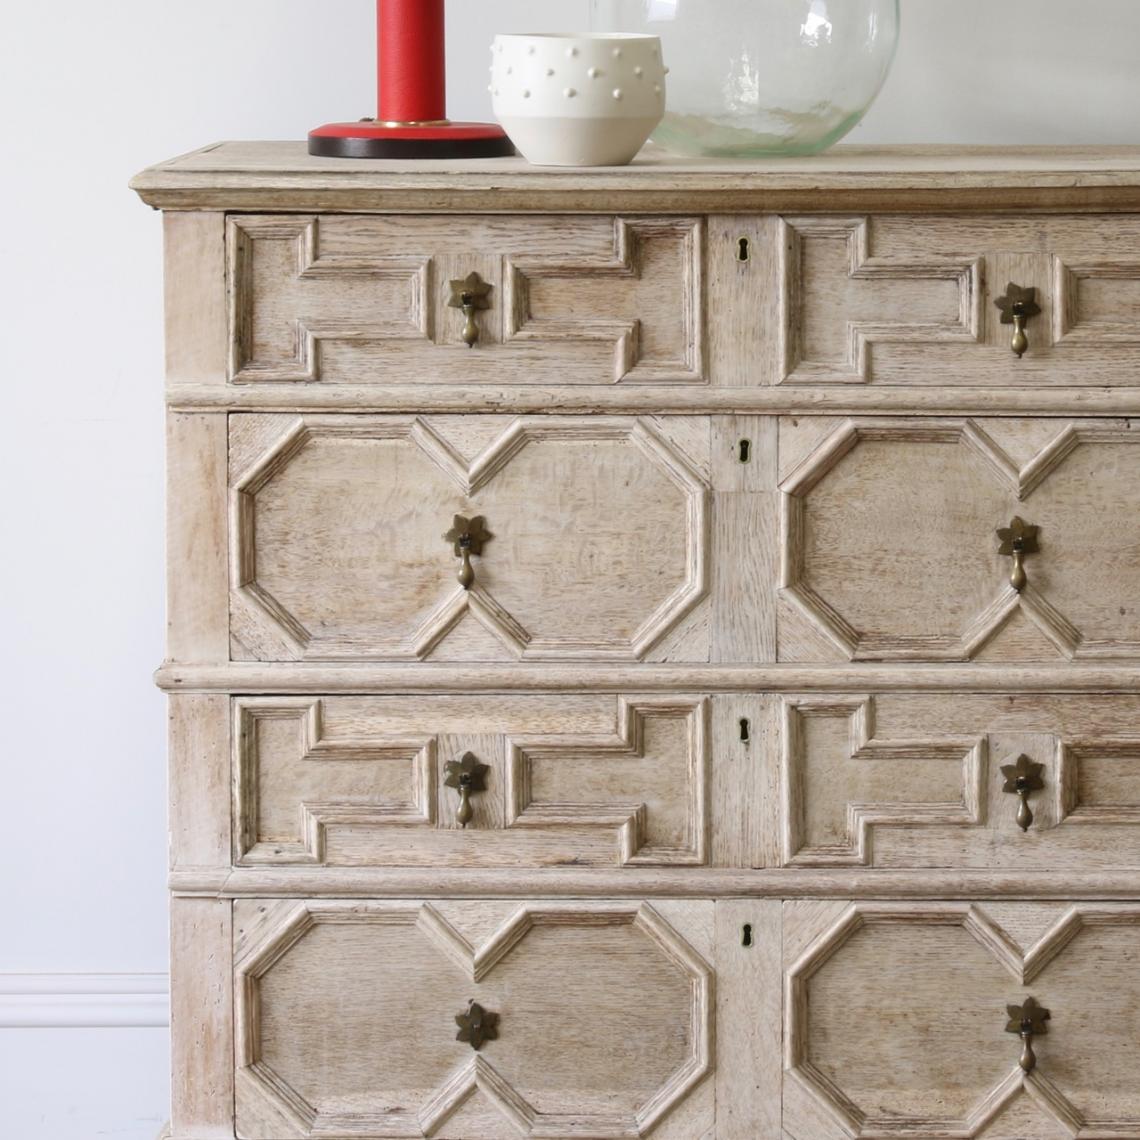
654,652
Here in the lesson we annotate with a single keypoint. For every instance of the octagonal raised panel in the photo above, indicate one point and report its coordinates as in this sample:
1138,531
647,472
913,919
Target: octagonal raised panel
891,549
940,1061
347,1019
597,542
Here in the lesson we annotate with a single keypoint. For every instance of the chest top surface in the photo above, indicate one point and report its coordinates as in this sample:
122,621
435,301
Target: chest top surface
281,175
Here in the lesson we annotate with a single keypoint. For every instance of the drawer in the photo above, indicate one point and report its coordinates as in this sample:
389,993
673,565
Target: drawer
469,538
480,781
1041,782
891,548
440,1019
934,987
377,300
903,300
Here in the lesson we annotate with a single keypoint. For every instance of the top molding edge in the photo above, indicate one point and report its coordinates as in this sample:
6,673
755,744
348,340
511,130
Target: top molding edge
282,176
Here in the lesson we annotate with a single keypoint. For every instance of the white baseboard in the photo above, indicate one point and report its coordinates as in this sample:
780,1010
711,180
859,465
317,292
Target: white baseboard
84,1001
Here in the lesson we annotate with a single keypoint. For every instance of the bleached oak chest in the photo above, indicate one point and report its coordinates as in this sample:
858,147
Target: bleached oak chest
654,652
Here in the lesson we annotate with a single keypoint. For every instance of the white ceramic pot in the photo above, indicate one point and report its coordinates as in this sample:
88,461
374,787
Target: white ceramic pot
578,100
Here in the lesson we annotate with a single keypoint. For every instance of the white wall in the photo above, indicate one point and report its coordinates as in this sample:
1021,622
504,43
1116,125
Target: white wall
91,93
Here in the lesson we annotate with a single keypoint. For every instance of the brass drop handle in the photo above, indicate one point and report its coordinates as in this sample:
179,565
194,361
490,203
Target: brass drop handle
470,294
1027,1021
1021,779
477,1026
1017,306
1018,540
468,777
467,537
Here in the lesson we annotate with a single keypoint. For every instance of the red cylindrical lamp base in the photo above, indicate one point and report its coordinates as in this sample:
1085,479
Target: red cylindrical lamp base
412,97
410,49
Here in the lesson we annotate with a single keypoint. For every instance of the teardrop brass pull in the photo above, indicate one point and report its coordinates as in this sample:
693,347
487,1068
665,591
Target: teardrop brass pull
1021,779
1027,1021
477,1026
470,294
467,537
468,777
1017,306
1017,540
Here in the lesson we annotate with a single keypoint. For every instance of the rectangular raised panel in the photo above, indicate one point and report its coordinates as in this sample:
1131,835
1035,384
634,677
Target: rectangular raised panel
598,537
569,780
933,986
364,300
903,300
915,781
347,1019
890,544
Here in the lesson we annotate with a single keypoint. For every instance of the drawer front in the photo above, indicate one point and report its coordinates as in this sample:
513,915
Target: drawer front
485,538
892,551
345,299
441,1019
474,781
896,300
933,987
1014,782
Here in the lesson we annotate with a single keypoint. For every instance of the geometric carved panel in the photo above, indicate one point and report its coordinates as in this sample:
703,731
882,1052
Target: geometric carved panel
890,548
908,300
915,780
346,1021
838,301
598,542
830,815
942,1064
364,300
359,781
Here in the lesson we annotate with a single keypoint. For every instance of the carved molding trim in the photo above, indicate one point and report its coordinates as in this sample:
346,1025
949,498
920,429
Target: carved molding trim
316,816
630,818
1068,329
970,753
478,964
271,632
625,276
1070,756
1020,482
303,365
796,368
1023,968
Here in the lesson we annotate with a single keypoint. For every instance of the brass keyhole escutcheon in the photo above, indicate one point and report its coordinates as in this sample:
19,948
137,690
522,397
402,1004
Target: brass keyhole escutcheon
1017,306
1027,1021
468,777
470,294
1018,540
467,537
1021,780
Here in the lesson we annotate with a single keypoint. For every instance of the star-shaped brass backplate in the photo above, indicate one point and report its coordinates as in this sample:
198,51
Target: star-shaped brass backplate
1018,538
1027,1018
1024,776
471,292
477,1026
466,773
1017,302
468,534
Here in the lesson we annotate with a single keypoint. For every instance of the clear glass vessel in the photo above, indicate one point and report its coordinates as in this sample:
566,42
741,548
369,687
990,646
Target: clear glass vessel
755,77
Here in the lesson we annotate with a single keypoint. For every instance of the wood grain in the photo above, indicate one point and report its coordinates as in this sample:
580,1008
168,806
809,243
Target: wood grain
743,867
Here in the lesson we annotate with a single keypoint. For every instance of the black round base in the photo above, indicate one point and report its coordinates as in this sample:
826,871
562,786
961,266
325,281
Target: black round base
326,146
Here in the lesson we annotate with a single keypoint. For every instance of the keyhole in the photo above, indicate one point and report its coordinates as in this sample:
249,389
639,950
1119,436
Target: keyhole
743,249
744,729
747,938
745,451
